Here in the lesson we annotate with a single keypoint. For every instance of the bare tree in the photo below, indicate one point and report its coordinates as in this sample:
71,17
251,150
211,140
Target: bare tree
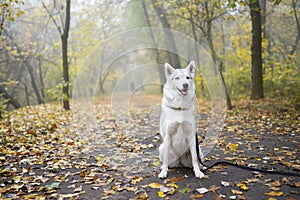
64,34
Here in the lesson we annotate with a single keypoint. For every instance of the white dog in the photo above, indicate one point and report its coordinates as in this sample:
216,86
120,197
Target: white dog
177,123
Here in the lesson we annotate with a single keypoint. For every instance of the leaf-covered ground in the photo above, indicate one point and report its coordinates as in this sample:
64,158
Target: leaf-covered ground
44,154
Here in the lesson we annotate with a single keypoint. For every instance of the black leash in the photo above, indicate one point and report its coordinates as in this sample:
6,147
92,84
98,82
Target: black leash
241,166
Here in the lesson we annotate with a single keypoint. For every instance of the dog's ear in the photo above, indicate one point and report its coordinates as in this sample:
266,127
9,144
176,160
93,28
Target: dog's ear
168,69
191,68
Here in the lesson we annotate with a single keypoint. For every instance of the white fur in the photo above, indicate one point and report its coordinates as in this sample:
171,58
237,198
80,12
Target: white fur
177,123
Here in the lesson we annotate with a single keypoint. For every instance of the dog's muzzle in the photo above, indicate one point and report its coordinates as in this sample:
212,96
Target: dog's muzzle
184,91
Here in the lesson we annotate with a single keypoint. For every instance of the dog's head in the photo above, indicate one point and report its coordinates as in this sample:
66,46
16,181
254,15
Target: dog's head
181,79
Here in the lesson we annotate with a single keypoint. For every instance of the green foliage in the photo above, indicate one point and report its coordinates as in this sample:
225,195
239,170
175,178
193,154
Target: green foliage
55,93
282,80
201,87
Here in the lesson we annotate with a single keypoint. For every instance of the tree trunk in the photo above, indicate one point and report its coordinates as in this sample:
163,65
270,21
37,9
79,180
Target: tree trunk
14,102
219,62
30,70
294,47
169,39
64,41
160,69
256,51
263,6
41,78
33,82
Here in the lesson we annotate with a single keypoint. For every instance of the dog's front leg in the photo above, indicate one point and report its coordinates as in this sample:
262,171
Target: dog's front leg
164,156
195,161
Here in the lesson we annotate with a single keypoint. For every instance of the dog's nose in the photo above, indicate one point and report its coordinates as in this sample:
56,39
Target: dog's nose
185,85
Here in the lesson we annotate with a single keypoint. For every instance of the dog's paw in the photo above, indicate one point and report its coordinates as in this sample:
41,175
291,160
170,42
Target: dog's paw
199,174
163,173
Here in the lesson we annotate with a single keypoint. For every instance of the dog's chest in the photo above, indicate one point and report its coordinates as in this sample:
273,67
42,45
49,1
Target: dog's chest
178,115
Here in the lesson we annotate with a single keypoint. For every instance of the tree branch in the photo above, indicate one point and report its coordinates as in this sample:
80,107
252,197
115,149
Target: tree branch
52,18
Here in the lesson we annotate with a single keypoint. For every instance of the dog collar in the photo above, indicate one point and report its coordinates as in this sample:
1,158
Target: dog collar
176,108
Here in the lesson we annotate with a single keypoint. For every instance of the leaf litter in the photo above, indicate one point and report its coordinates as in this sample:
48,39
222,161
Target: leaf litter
43,154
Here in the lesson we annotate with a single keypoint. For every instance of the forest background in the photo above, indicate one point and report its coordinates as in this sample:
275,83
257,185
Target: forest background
34,69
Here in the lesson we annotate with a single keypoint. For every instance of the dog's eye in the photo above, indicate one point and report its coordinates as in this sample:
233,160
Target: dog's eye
176,78
188,77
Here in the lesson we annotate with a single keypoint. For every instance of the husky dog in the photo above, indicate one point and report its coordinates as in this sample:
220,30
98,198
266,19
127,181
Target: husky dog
177,123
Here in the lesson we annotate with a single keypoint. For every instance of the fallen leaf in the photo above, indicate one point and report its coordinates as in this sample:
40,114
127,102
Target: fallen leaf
72,186
154,185
83,173
164,189
274,188
236,192
144,196
136,179
197,196
175,179
202,190
274,194
218,197
4,189
78,189
156,163
241,197
232,147
276,184
184,190
242,186
161,194
225,183
53,185
213,188
175,185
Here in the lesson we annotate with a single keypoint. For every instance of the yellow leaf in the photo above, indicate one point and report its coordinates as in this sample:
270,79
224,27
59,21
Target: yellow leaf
274,194
161,194
242,186
253,180
236,192
154,185
136,180
156,163
144,196
275,188
276,184
271,198
232,147
175,185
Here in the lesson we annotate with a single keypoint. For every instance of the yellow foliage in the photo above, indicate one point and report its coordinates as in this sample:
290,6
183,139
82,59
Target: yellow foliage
154,185
161,194
274,194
